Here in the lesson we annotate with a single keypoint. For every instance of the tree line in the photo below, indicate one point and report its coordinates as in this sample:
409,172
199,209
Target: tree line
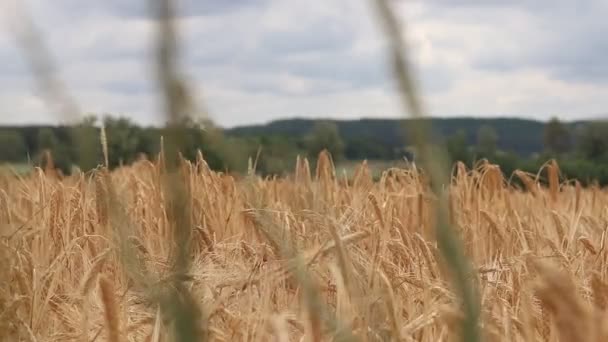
581,150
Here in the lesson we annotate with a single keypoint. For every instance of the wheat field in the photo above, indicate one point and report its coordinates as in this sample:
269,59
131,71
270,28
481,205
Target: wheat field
367,249
151,253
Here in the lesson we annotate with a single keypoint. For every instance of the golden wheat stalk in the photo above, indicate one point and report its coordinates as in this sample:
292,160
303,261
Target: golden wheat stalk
104,144
111,309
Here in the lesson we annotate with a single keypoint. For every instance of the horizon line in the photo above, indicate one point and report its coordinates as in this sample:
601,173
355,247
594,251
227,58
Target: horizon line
327,118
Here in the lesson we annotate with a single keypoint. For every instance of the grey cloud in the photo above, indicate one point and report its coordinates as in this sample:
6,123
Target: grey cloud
581,61
143,8
317,52
126,87
514,4
312,38
11,64
334,73
578,54
343,67
436,79
567,40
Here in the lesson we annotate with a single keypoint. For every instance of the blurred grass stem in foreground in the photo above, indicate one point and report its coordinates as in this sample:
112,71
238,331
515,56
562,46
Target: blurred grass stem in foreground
51,87
179,302
435,161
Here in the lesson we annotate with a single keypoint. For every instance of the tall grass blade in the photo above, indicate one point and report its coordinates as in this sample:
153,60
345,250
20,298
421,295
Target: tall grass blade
435,162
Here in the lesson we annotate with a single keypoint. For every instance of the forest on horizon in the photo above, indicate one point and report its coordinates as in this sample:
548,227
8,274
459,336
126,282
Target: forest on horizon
580,146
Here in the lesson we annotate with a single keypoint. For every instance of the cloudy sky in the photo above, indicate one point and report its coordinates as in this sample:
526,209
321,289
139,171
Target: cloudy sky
253,61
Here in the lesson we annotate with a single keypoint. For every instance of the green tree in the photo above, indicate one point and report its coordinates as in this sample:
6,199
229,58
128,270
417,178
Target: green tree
277,155
84,144
457,147
325,135
556,137
210,143
592,140
365,148
122,139
487,141
148,142
508,162
12,146
47,141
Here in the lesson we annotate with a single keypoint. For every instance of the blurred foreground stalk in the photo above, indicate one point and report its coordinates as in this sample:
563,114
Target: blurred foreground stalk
175,300
435,162
179,304
51,87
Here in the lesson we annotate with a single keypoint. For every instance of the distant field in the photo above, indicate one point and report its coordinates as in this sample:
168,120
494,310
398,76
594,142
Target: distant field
369,251
19,168
376,167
